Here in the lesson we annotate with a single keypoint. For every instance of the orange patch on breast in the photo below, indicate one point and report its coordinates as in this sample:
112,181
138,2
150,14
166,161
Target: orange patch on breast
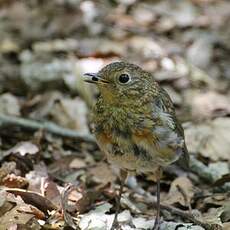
104,138
144,135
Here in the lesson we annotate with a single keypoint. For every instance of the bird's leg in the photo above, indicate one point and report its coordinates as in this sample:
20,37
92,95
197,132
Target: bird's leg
157,220
123,176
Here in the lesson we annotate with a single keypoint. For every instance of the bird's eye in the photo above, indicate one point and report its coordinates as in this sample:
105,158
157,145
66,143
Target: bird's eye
124,78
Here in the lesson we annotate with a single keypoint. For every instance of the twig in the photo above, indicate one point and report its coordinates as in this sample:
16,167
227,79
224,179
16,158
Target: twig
6,120
186,200
185,215
69,220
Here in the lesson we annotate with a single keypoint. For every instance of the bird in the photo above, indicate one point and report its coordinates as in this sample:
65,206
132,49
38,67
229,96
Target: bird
135,124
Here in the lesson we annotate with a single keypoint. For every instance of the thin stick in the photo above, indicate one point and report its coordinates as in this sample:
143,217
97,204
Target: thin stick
183,193
7,120
186,215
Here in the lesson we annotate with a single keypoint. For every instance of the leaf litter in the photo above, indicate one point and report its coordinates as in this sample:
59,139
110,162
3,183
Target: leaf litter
52,181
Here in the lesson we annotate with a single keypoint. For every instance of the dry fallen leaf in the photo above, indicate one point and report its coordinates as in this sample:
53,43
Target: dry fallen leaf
50,190
210,139
197,58
36,176
70,113
8,46
142,223
69,219
218,199
55,45
212,217
32,210
34,199
77,163
23,148
226,226
175,194
41,68
221,181
101,173
146,46
7,168
15,217
209,105
86,198
97,219
14,212
100,47
9,104
225,216
13,181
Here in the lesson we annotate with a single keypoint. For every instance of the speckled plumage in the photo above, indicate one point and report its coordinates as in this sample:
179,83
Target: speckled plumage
135,123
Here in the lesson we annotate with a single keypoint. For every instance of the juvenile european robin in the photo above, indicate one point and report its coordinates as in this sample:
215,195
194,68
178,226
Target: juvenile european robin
135,123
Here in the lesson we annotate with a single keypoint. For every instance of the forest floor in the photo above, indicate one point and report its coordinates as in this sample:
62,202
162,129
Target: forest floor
52,174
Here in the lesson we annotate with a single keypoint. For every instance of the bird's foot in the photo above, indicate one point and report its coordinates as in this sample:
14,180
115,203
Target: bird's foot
156,227
156,224
115,225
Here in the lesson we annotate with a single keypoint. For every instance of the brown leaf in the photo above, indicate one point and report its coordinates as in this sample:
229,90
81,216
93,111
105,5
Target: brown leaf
5,203
13,181
32,210
176,196
226,226
14,213
50,190
77,163
7,167
34,199
67,216
218,199
101,173
87,198
15,217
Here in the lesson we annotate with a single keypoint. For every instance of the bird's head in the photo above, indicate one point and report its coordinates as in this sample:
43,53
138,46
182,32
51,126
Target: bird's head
121,82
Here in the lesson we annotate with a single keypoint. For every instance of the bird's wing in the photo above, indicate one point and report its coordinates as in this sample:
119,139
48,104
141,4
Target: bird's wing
165,105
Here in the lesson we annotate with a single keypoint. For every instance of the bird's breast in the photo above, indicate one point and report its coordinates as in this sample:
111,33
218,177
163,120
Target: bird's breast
131,142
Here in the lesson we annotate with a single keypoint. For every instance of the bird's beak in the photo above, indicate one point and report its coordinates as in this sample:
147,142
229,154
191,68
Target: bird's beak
94,78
